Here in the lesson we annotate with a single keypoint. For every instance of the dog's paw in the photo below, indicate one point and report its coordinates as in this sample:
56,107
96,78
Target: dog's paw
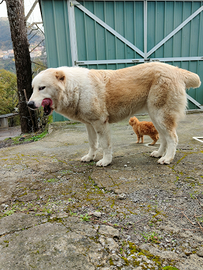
155,154
104,162
164,160
152,144
87,158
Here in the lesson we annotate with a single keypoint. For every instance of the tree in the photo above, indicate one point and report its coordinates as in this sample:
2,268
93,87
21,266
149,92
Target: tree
15,10
8,92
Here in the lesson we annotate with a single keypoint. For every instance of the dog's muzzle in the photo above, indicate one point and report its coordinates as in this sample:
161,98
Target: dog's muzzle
47,105
31,105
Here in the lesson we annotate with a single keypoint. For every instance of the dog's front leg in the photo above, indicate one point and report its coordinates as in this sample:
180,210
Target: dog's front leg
92,138
103,132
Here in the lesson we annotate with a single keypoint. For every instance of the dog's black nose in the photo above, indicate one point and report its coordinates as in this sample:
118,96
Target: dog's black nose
31,105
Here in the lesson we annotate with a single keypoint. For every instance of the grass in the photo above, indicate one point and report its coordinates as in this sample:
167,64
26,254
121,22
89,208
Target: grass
170,268
8,213
72,213
52,180
37,137
151,237
27,138
200,219
85,217
40,136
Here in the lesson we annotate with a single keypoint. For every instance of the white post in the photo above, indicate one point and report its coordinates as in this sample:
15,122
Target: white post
72,29
145,29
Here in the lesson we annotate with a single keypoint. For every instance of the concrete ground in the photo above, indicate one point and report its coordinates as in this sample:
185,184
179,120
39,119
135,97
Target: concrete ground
9,132
59,213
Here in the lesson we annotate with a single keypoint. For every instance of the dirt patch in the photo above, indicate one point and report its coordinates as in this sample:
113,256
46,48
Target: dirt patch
10,142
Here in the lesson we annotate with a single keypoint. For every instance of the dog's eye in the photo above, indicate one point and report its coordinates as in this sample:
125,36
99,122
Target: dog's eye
41,88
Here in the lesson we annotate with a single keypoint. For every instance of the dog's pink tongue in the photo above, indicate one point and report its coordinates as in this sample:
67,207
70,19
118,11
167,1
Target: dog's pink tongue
46,102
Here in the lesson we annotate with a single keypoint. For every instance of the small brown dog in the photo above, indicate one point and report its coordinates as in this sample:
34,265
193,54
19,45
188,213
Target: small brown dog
144,128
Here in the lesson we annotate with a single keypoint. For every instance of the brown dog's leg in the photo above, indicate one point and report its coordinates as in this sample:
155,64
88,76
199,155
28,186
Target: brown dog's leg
154,138
138,138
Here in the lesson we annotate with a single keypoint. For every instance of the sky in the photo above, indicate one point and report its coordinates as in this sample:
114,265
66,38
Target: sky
35,16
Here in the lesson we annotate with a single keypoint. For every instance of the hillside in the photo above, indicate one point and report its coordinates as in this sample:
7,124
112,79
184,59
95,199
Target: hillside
5,36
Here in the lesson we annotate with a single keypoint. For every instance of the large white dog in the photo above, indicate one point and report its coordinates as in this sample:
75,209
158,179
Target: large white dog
100,97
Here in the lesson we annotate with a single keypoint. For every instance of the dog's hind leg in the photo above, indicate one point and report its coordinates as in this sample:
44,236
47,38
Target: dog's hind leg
93,143
167,101
162,147
104,136
172,141
168,138
158,123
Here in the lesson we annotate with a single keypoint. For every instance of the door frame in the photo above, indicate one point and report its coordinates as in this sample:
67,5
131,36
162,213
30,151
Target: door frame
72,4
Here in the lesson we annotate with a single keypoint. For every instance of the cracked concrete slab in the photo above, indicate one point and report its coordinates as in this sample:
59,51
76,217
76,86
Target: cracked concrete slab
59,213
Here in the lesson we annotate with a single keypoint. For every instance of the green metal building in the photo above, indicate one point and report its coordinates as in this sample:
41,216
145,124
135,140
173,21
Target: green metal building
118,34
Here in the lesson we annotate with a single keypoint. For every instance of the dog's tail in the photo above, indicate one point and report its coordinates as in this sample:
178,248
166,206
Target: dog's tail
191,79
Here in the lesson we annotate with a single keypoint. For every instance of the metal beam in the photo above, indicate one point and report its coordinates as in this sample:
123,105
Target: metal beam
31,10
112,61
145,29
107,27
138,60
194,102
72,30
142,0
175,31
177,59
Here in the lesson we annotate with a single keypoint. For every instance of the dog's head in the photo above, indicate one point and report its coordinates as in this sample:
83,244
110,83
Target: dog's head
133,121
46,89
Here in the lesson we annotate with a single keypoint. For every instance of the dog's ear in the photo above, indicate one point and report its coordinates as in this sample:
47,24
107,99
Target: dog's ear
60,75
135,120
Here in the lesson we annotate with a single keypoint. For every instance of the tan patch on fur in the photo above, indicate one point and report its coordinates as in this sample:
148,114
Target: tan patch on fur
126,91
170,122
161,95
60,75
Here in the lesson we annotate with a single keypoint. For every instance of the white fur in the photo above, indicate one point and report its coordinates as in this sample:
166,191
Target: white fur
100,97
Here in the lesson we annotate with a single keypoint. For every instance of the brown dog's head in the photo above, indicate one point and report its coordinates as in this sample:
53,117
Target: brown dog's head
133,121
46,86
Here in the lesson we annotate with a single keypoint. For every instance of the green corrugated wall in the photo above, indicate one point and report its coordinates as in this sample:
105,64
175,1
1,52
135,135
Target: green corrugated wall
127,18
96,43
55,20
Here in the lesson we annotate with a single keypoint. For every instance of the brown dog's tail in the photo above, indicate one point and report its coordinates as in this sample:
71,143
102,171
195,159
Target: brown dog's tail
191,80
